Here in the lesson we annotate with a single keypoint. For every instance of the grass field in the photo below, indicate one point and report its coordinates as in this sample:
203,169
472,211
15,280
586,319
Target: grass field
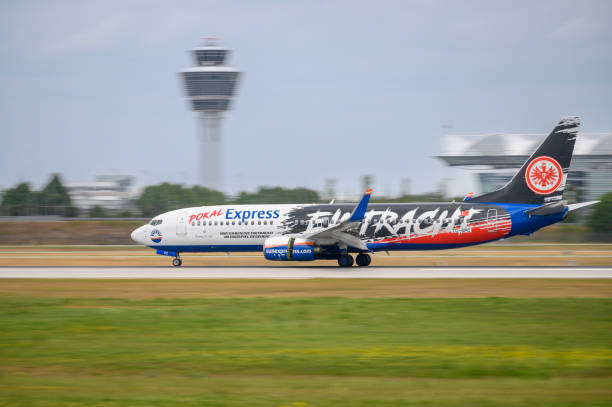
132,345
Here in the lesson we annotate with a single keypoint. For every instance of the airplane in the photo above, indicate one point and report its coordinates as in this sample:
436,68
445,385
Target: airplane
531,200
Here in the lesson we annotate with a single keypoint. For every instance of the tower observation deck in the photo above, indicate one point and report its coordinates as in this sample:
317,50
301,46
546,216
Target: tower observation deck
210,86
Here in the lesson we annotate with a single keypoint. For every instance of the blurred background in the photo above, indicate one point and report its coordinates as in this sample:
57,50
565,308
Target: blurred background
123,110
112,112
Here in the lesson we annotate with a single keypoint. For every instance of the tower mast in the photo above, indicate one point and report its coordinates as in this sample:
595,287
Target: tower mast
210,86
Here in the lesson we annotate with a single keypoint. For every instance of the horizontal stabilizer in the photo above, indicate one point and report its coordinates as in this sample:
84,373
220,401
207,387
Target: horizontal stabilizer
575,206
548,209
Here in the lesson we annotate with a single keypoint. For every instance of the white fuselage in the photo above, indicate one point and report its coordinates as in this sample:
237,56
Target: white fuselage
217,228
384,227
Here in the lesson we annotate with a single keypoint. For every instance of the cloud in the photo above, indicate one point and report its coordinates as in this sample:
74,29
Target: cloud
578,29
67,28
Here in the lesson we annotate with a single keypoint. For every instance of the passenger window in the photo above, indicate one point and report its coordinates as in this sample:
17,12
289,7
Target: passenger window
233,222
252,222
265,222
198,223
193,223
259,222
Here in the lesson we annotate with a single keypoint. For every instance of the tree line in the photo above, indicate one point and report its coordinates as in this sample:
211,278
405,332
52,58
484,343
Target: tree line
156,199
54,199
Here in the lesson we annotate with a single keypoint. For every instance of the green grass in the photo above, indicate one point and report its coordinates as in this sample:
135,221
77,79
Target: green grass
318,351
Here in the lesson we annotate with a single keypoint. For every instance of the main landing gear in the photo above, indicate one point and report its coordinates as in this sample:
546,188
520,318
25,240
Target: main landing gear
363,259
176,262
346,260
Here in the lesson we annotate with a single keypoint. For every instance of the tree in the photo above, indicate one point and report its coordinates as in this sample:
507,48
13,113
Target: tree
54,198
20,201
599,220
277,195
427,197
97,212
156,199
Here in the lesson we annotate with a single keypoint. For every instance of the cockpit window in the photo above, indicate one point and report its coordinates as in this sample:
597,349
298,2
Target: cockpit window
155,222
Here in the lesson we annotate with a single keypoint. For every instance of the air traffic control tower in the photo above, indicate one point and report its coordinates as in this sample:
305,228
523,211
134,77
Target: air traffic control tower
210,87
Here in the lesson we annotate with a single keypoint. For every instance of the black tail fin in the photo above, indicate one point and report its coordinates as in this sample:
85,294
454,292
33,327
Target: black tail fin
542,177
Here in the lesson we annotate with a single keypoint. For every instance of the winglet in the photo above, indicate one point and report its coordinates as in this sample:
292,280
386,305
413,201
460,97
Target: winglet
360,210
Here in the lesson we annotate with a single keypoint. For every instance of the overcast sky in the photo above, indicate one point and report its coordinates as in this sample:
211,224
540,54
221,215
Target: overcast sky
332,89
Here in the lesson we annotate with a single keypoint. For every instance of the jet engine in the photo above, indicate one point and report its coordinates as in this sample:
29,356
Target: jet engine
283,248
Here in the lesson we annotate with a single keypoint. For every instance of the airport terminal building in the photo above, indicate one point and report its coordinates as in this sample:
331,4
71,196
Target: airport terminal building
495,158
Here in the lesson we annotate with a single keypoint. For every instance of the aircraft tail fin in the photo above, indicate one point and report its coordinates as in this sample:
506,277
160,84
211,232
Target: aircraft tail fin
542,177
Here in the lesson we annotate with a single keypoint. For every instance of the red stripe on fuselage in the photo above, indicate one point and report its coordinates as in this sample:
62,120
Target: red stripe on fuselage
480,232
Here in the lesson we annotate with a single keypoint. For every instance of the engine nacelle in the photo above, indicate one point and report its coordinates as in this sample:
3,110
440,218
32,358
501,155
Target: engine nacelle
283,248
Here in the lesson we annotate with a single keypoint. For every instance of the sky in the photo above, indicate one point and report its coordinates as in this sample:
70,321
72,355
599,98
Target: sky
331,89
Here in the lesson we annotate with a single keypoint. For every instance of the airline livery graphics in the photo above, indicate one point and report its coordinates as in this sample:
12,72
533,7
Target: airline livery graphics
304,232
405,223
205,215
544,175
156,236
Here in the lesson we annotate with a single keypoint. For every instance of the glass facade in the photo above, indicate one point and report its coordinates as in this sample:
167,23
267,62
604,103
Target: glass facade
210,83
210,57
210,104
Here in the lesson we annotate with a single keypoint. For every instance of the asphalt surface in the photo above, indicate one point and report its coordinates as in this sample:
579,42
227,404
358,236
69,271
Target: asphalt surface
304,272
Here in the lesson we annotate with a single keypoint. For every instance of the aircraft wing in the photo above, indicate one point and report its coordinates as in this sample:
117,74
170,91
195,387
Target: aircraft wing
342,232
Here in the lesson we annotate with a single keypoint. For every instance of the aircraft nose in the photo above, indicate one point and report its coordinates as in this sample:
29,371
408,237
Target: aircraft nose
137,235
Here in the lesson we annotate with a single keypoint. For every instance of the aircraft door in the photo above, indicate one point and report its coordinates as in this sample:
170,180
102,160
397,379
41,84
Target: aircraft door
181,224
492,220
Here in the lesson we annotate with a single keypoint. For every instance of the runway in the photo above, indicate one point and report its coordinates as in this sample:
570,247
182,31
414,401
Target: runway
303,272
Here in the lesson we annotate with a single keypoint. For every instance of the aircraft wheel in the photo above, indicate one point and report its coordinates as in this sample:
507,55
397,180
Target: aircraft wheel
363,259
177,262
346,260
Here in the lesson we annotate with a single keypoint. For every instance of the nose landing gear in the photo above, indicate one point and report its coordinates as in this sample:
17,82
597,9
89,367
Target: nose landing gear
176,262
